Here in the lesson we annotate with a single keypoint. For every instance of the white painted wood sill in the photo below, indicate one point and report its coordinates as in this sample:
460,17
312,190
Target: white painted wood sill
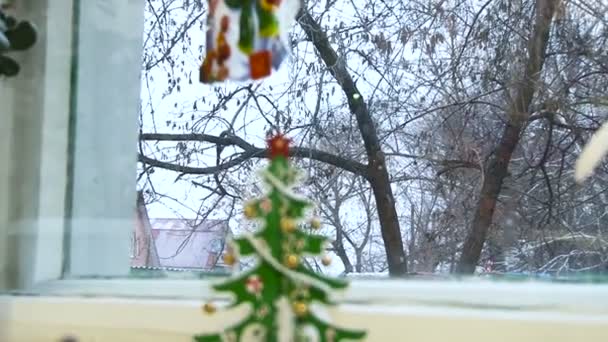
164,310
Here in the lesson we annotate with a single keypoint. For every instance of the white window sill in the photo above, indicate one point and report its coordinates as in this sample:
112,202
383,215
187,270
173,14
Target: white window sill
390,310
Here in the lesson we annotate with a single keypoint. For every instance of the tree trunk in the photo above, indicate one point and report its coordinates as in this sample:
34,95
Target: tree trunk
496,169
359,260
377,173
341,253
339,243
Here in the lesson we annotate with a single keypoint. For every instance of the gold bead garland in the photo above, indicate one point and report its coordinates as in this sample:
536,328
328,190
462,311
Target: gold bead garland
300,308
229,259
250,211
288,225
291,261
209,308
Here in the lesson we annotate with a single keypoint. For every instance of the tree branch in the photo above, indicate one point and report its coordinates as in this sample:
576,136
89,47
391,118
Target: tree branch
250,151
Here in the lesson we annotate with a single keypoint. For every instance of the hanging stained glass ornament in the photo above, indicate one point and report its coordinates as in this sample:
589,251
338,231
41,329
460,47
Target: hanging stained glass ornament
246,39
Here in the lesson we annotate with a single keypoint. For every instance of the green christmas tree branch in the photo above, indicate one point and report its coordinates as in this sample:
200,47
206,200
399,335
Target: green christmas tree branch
332,333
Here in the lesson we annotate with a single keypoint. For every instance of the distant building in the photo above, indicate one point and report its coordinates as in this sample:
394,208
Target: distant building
177,244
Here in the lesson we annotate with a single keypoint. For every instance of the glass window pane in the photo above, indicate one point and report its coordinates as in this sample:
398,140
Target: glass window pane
435,140
69,134
476,132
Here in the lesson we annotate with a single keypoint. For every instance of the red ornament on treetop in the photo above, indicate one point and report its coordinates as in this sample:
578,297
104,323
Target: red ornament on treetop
279,146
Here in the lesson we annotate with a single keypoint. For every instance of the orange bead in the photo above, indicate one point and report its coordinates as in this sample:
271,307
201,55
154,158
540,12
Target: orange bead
224,23
260,64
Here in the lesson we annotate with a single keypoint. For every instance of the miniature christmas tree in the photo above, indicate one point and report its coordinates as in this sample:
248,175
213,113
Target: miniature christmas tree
280,289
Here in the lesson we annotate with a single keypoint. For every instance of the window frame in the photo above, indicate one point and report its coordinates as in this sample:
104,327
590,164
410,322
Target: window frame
458,293
47,229
411,310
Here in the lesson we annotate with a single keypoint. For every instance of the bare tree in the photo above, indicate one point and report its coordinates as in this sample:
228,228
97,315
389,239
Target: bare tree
496,168
462,120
